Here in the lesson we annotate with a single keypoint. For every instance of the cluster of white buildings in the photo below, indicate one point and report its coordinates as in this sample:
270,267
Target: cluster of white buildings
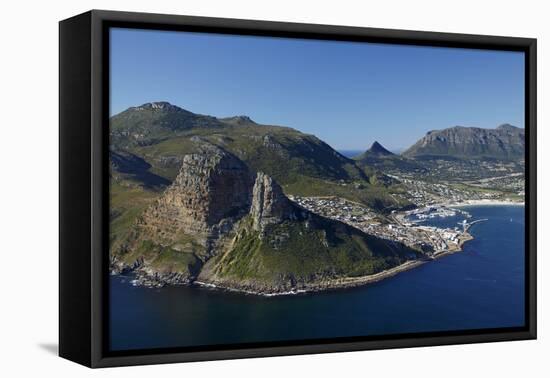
431,240
335,208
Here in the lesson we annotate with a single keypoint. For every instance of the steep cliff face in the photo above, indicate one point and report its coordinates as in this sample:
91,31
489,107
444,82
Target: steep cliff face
190,221
269,204
279,247
220,223
196,215
211,189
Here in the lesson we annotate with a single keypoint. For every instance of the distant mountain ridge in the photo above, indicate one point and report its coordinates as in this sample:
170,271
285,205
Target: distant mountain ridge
504,142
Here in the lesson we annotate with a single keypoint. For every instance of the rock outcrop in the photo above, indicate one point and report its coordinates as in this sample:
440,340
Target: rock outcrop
198,213
269,204
161,106
222,224
212,191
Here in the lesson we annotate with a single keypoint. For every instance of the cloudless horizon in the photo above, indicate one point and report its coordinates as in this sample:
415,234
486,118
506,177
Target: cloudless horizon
348,94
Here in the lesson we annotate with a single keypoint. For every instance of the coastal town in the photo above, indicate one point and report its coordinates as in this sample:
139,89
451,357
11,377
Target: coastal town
404,227
422,193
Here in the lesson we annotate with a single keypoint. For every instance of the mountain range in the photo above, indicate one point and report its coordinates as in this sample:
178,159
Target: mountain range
505,142
195,198
222,224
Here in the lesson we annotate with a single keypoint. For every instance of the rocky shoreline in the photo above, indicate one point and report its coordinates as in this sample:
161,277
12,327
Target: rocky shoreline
146,278
340,283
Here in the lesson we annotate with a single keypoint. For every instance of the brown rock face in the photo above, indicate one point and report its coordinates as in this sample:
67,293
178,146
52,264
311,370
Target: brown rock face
269,204
198,215
212,190
211,187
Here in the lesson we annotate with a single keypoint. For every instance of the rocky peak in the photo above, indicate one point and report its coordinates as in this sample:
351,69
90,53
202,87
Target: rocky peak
269,204
213,191
160,105
378,149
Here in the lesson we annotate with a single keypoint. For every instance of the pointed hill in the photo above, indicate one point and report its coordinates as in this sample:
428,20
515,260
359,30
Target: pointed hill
376,150
383,160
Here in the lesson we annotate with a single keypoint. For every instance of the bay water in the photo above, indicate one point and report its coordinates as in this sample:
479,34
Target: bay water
480,287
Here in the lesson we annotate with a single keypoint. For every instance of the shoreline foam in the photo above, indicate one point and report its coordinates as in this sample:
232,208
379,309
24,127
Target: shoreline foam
482,203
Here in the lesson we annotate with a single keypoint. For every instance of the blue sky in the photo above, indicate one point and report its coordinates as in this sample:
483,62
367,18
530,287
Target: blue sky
348,94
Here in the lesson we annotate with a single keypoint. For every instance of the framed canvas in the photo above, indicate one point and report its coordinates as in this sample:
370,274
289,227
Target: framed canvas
235,188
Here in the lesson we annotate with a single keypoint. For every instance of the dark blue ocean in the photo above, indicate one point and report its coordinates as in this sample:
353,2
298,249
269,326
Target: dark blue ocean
481,287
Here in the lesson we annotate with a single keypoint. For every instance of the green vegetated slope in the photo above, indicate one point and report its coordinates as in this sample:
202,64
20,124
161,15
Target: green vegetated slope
164,260
301,254
127,201
148,146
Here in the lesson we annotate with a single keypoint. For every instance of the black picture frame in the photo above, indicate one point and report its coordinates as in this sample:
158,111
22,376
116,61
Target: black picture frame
83,181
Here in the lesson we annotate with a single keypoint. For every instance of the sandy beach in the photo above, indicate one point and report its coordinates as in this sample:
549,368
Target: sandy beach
483,202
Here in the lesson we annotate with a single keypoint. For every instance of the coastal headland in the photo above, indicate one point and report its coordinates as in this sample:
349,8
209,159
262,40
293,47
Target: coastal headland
230,203
436,243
